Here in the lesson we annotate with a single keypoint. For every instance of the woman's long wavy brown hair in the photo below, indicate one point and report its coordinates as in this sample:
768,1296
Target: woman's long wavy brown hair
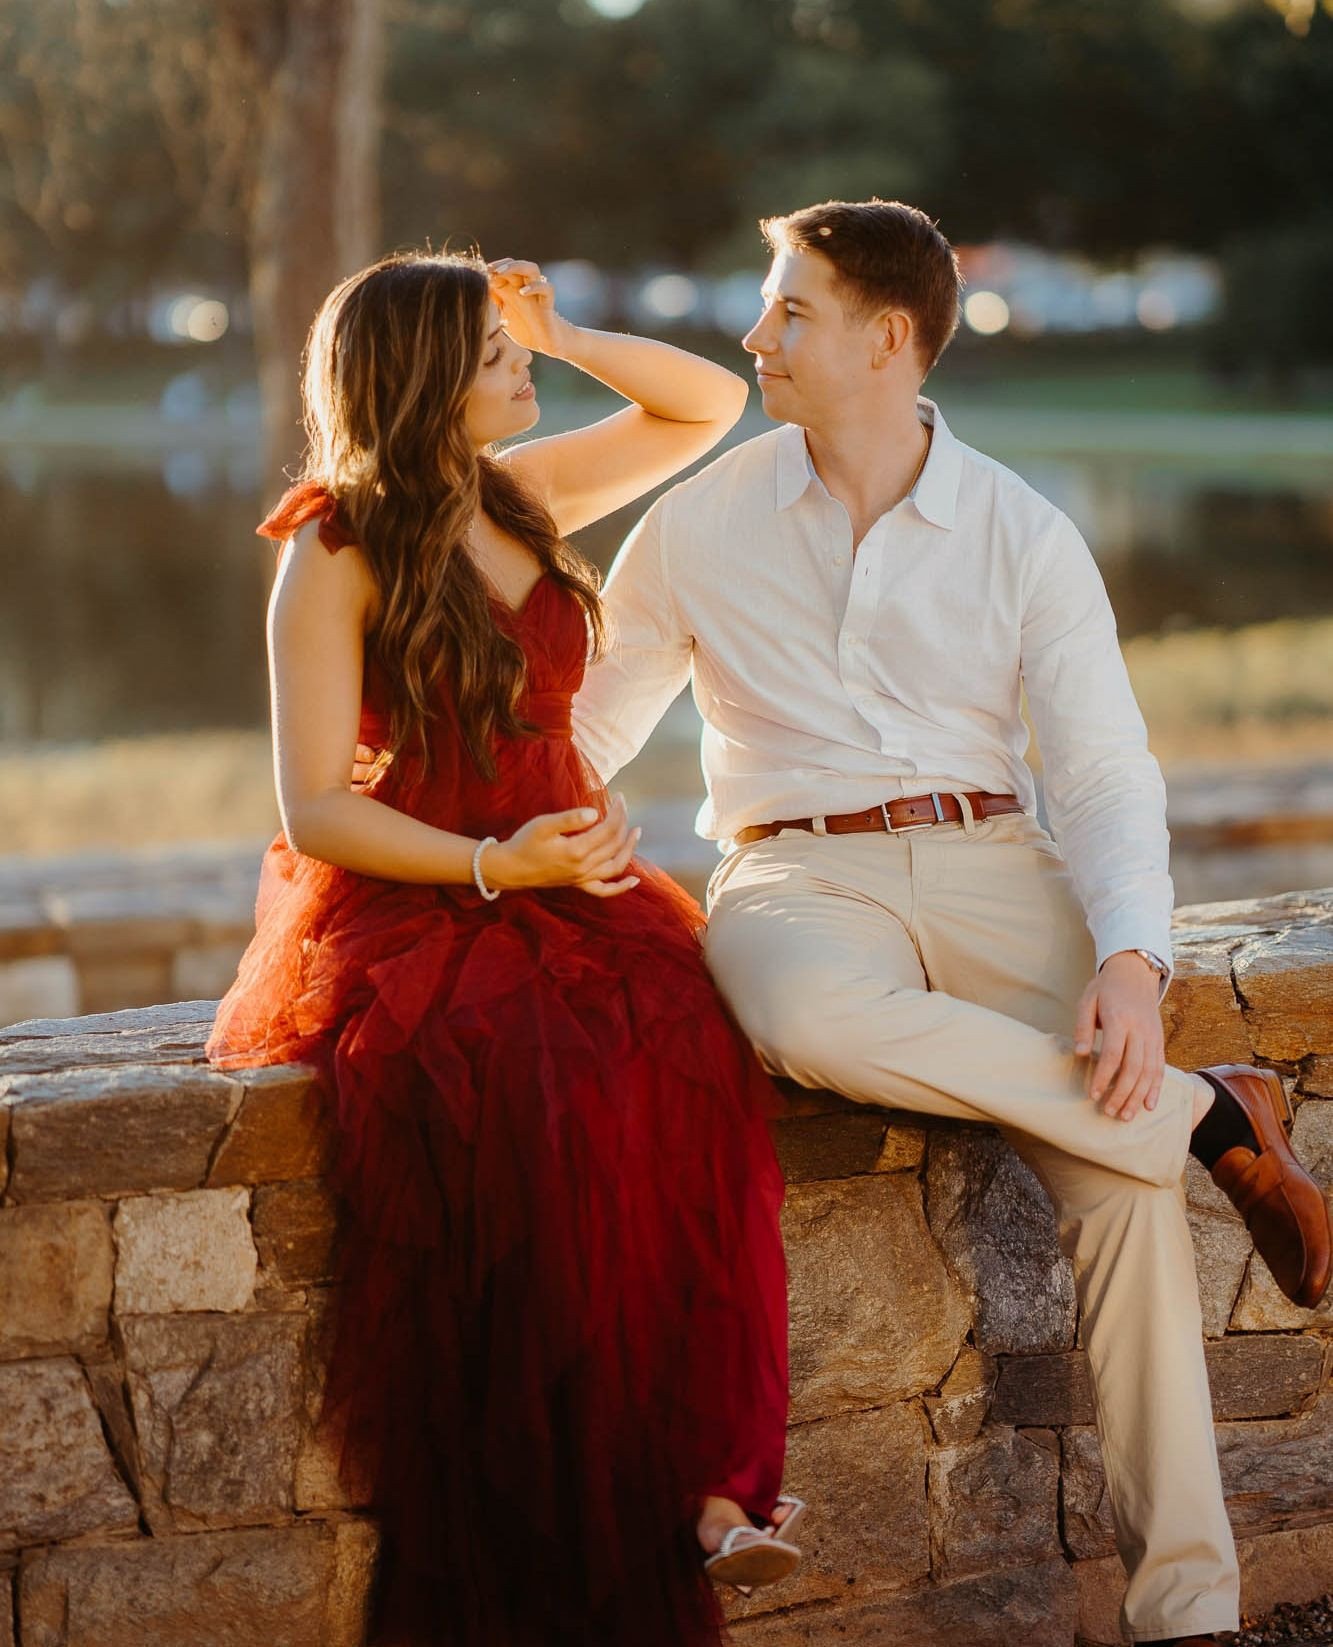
391,359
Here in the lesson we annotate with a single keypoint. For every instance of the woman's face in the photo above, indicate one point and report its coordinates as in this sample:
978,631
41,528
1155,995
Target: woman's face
503,401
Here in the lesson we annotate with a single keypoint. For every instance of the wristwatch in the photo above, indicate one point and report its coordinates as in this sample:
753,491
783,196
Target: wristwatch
1158,965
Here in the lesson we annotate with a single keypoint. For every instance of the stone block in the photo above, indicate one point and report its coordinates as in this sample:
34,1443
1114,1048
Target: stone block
1043,1390
223,1589
124,978
994,1502
110,1397
355,1551
904,1148
1252,1377
997,1228
1085,1504
1293,1566
1316,1076
105,1132
206,969
35,986
1285,982
817,1147
189,1251
282,1130
1264,1376
1264,1307
218,1408
1222,1249
1201,1016
1101,1590
867,1533
1273,1471
320,1484
172,1034
963,1404
56,1264
1279,1469
295,1229
1037,1606
57,1479
875,1317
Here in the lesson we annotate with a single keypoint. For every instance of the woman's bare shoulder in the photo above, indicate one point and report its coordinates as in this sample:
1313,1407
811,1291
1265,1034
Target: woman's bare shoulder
332,572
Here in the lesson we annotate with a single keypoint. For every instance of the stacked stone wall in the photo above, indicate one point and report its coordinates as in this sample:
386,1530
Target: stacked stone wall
165,1243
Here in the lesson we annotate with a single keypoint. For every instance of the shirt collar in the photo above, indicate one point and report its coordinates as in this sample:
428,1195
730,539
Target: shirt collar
935,494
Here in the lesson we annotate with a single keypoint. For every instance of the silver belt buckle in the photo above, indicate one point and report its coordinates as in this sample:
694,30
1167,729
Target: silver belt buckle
908,829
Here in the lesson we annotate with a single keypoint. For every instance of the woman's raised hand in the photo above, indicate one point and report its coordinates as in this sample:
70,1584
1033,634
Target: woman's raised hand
567,849
526,300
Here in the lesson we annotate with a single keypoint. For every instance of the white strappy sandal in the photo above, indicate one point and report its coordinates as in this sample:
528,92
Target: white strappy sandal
795,1508
748,1558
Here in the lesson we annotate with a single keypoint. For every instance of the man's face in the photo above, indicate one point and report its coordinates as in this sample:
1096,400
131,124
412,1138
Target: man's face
810,358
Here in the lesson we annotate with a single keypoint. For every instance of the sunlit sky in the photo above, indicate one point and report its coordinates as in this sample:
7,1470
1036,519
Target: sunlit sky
616,8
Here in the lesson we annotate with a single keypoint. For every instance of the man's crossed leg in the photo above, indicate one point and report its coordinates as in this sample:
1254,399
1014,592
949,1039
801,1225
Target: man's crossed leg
941,972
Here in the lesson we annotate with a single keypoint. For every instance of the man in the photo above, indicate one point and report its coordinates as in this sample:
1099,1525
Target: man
860,600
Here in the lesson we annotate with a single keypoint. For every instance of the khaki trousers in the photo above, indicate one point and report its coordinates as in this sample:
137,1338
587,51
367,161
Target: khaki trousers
939,971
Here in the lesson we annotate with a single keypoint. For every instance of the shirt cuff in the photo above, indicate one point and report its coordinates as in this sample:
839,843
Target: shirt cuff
1130,930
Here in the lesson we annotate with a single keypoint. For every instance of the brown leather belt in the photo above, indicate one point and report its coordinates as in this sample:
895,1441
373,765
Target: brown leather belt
898,817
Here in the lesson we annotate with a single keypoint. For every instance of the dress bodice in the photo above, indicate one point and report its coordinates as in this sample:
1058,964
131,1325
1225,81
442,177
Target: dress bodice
550,627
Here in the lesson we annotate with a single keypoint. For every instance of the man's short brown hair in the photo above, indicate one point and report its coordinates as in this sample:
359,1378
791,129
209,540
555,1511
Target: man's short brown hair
886,255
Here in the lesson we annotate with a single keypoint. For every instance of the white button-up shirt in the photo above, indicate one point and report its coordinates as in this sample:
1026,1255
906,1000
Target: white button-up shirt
831,679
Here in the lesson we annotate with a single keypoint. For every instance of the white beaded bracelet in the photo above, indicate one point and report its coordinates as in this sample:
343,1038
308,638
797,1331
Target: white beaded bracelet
487,892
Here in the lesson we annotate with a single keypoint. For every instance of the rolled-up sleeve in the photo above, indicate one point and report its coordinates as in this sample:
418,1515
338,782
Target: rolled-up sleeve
647,663
1104,791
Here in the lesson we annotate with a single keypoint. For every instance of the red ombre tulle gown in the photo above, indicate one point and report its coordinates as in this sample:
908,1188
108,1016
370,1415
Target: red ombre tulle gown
562,1310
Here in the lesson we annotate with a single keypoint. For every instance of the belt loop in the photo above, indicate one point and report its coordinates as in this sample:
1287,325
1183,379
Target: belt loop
818,826
967,816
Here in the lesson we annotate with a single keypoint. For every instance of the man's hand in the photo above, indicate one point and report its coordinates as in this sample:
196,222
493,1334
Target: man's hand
1122,1000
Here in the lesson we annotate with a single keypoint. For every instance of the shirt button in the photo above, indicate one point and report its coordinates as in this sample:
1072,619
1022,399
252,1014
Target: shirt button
839,560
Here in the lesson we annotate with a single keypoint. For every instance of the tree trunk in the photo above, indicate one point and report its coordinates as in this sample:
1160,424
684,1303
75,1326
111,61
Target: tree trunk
314,207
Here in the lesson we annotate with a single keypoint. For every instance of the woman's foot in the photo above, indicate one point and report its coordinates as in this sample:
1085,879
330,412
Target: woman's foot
737,1552
716,1519
720,1515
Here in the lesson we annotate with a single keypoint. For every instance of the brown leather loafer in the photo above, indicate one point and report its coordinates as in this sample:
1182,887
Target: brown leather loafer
1284,1209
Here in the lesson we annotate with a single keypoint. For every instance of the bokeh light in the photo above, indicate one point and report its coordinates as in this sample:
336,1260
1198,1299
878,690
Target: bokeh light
986,313
672,296
1156,311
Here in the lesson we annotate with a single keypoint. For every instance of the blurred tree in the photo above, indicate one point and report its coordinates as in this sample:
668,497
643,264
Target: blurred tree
142,138
146,138
312,201
657,137
1277,317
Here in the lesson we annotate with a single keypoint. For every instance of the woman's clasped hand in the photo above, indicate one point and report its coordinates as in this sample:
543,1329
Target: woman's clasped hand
573,848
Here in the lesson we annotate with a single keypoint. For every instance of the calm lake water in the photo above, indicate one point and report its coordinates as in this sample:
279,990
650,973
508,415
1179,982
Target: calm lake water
135,586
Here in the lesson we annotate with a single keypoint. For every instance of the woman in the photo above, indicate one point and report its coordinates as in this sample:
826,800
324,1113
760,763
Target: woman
559,1360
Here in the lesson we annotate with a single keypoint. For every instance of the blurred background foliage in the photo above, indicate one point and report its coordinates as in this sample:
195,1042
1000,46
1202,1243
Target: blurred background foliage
1143,186
132,130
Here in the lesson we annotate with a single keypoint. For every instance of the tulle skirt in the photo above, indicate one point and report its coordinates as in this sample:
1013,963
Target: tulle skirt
561,1318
